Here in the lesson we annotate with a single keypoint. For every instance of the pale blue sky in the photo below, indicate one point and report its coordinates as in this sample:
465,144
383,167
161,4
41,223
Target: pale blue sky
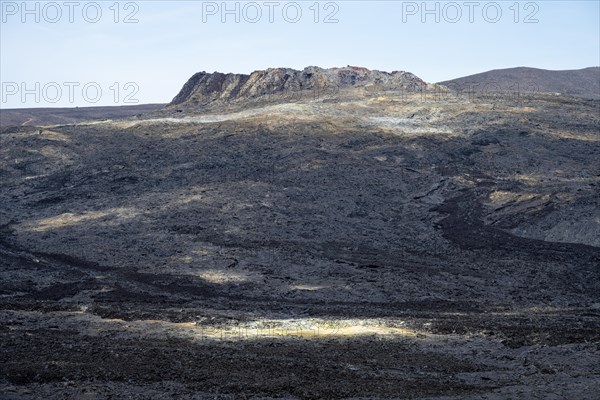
173,39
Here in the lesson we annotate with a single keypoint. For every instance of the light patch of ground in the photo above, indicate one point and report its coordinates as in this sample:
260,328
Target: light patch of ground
222,277
502,197
307,287
406,126
588,137
57,136
521,110
286,111
204,329
69,219
534,179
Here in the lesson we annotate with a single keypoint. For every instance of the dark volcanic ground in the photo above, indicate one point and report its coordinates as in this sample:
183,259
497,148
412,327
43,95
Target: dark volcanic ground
382,247
51,116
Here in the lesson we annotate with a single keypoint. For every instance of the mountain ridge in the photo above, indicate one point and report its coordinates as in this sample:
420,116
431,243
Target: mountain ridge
584,82
204,88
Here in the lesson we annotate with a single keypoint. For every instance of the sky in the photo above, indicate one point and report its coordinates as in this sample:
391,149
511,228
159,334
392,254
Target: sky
85,53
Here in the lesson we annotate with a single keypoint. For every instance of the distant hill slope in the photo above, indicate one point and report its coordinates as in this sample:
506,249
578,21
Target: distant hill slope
581,82
69,115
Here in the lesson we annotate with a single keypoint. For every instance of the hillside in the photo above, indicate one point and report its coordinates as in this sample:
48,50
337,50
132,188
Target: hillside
375,242
582,82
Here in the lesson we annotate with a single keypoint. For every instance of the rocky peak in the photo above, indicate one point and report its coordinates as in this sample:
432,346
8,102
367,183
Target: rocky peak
204,88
